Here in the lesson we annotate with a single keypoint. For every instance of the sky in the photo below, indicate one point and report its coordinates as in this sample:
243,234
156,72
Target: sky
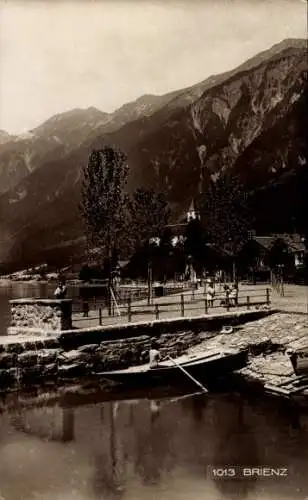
56,55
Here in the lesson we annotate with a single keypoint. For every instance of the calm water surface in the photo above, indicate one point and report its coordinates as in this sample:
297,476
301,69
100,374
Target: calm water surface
141,450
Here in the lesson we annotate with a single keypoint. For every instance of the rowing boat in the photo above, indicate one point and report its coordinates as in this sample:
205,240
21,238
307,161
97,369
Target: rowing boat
203,367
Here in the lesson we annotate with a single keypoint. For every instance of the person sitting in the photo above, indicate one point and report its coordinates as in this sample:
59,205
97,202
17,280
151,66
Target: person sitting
154,355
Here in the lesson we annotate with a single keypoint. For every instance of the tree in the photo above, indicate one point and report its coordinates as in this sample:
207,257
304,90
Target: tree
279,255
225,213
149,214
103,202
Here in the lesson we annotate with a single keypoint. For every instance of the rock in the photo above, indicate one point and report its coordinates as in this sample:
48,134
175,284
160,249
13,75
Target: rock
9,377
7,360
50,370
47,356
27,359
88,348
31,375
15,348
71,370
73,356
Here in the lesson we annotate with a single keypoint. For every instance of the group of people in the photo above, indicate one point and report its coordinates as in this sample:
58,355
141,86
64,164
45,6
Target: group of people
231,294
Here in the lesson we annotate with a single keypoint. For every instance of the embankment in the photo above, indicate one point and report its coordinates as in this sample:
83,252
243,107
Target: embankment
54,358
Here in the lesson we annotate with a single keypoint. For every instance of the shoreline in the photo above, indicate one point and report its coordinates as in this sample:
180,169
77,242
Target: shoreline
267,338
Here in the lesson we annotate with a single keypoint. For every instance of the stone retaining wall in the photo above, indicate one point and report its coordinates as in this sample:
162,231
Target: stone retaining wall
82,353
46,361
41,315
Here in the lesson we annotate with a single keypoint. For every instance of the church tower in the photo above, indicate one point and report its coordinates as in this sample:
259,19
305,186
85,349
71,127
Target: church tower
192,213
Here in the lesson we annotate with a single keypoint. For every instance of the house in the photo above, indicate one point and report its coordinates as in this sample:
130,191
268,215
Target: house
259,248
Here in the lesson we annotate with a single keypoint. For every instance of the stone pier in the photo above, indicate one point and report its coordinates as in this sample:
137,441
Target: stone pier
34,356
40,316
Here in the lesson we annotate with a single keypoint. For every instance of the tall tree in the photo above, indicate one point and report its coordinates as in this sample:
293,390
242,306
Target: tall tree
104,200
279,255
149,213
225,213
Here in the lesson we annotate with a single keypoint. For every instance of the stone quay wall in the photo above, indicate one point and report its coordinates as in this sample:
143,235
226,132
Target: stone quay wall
79,354
46,361
40,316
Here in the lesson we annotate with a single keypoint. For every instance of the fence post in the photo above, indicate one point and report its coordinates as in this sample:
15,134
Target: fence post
100,316
227,302
182,305
129,309
205,306
248,302
268,300
156,311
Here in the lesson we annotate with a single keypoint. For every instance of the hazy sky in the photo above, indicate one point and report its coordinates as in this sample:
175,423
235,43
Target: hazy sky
58,55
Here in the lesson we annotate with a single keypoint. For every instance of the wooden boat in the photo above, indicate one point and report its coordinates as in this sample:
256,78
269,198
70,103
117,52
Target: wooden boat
205,368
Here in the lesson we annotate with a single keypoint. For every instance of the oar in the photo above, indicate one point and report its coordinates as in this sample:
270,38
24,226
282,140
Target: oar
188,375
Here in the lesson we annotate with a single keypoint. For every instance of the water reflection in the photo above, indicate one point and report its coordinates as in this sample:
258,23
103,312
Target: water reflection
140,450
238,447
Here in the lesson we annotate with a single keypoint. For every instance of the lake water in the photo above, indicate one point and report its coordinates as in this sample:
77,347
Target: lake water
143,450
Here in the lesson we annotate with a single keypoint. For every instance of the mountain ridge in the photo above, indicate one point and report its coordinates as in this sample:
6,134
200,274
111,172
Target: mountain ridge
193,134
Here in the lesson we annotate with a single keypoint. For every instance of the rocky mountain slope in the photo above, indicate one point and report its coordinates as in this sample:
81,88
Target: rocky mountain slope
249,121
62,134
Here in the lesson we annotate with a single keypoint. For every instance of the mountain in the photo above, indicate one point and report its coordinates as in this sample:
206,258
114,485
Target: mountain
62,134
4,137
249,121
22,154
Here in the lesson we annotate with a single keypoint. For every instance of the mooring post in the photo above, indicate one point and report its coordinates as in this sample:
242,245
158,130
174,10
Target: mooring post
100,316
268,300
156,311
205,306
248,302
182,305
227,301
129,309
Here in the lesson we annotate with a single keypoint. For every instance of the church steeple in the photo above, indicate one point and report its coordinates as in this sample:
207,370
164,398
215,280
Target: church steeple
192,213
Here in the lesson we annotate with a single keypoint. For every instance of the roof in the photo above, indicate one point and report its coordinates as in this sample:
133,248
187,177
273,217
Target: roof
177,229
293,241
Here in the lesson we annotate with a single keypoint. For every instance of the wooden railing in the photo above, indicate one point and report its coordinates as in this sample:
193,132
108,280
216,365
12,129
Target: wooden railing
193,303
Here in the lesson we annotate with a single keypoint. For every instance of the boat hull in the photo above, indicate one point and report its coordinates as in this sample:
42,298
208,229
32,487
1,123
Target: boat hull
206,370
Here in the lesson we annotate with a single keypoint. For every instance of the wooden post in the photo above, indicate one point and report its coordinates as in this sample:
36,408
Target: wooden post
248,302
227,302
100,316
94,300
129,309
156,311
205,306
149,282
268,300
182,306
